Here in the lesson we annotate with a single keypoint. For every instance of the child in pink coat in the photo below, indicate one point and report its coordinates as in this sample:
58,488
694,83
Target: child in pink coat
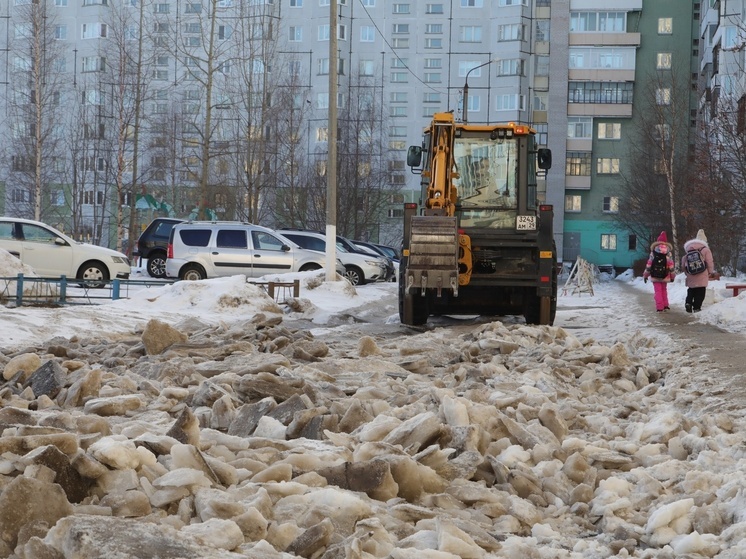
660,285
697,283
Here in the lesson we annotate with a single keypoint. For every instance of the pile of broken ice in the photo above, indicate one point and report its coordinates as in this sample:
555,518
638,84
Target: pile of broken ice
256,440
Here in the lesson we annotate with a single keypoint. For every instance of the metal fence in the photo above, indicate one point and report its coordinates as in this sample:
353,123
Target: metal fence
22,290
26,291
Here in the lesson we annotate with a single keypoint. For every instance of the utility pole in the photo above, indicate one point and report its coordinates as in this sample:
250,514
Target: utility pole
331,163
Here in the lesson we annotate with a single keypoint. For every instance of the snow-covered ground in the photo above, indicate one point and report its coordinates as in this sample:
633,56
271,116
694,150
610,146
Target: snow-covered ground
603,315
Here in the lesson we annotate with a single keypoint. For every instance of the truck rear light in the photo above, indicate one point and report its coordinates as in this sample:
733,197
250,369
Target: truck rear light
544,279
545,207
410,206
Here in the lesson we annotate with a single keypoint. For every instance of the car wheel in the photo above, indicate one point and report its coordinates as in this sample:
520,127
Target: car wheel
309,268
354,275
93,274
192,272
157,265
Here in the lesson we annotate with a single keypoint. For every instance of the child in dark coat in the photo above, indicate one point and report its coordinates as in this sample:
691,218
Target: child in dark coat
660,284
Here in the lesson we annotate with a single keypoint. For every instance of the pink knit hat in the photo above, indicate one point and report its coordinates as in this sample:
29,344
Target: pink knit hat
663,238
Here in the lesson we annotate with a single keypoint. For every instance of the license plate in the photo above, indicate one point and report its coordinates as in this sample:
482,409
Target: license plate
525,223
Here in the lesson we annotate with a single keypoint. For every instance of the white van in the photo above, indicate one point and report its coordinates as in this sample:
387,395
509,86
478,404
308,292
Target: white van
201,249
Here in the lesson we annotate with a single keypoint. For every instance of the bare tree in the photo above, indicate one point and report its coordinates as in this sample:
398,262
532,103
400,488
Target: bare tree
37,90
659,158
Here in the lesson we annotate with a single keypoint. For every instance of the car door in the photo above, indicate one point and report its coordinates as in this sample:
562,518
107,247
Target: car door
270,255
45,251
9,233
230,254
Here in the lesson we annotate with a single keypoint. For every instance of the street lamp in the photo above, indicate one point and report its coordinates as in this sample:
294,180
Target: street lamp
466,88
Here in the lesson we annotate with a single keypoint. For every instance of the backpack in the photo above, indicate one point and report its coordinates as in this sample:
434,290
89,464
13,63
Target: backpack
659,267
693,262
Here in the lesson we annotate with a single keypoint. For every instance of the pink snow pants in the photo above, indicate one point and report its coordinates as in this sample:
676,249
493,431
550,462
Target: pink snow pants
660,291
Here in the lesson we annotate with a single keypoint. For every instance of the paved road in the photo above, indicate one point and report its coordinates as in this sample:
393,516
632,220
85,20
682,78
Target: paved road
723,353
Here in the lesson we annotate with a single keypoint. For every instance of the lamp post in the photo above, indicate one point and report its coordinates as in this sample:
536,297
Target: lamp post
466,88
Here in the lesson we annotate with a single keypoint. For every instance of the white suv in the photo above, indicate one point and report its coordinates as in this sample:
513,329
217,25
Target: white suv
200,250
359,268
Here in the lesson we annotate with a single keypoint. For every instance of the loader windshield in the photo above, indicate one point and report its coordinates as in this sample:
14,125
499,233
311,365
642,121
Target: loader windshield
487,183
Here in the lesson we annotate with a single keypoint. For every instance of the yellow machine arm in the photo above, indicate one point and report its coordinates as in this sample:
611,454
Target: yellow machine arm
441,192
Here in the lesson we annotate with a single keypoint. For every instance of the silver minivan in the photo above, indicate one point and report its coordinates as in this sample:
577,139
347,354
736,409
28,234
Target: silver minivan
201,249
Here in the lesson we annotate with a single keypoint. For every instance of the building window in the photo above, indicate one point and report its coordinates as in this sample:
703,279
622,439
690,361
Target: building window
541,100
323,34
609,130
296,3
665,26
611,204
398,111
400,43
662,132
510,67
470,34
607,166
60,32
398,131
510,32
20,195
193,8
471,3
367,67
396,213
663,96
572,203
398,97
93,64
432,43
162,8
60,3
663,61
510,102
578,164
600,92
369,3
608,241
433,77
322,134
400,8
399,77
433,28
367,34
474,103
433,63
323,67
431,97
632,242
602,22
466,66
322,100
434,9
93,30
93,97
512,3
295,33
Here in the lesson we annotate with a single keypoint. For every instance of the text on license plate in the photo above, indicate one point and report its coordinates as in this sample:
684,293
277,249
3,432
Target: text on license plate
525,222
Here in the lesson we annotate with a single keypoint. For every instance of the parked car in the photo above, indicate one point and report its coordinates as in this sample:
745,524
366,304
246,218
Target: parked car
385,250
359,268
152,245
392,266
51,253
352,246
200,250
